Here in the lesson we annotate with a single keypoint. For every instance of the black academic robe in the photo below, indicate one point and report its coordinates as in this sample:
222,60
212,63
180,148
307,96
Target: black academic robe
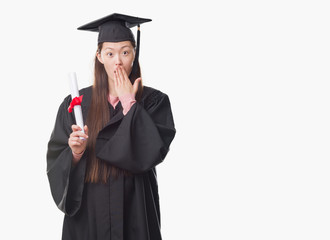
126,207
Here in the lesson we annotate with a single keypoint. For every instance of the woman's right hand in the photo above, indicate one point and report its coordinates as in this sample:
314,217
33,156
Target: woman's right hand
76,144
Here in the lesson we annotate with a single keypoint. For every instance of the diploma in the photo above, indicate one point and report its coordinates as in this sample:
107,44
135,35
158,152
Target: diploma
75,94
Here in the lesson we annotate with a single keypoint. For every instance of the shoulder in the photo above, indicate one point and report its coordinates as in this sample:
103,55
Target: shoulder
86,92
87,95
151,96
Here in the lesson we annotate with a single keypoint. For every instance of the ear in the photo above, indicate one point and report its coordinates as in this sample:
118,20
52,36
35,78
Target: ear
99,57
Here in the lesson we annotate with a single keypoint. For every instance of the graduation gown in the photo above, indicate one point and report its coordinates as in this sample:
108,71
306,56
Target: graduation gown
126,207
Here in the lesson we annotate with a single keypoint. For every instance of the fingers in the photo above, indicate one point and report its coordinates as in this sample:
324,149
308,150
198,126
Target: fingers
120,75
76,144
75,128
136,85
78,135
86,129
115,74
76,141
123,74
76,131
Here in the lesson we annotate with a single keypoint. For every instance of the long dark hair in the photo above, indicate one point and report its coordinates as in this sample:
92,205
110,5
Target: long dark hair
98,116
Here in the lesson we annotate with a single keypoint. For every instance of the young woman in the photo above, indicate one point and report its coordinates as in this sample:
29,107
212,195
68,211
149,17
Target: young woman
104,180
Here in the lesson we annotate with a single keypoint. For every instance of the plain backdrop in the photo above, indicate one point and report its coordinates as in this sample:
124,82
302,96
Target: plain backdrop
249,87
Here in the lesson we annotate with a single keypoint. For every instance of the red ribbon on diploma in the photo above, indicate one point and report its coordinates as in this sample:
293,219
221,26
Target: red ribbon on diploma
76,101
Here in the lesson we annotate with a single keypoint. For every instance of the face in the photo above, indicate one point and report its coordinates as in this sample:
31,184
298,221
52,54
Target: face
114,54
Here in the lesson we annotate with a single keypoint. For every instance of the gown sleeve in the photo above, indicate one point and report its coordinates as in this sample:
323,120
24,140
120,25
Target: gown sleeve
142,138
66,182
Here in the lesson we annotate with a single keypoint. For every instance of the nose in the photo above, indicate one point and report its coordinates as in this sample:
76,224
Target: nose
118,61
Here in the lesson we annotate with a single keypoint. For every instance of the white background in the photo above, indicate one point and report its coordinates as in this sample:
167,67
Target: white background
249,87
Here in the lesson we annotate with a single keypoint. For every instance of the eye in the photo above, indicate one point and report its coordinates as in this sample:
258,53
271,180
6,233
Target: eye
109,54
125,52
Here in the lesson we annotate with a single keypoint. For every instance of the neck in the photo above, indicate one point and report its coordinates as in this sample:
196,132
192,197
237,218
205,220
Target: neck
112,91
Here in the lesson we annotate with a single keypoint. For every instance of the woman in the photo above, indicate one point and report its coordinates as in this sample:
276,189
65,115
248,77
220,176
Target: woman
104,180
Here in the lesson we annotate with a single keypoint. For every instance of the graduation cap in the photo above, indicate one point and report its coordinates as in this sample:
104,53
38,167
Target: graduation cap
116,28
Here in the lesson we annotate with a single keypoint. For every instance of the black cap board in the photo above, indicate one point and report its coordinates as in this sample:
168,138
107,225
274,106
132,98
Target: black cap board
114,27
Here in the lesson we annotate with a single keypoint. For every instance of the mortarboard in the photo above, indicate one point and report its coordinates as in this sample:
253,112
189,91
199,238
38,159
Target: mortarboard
116,28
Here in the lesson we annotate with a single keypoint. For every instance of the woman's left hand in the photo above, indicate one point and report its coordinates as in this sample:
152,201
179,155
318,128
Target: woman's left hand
123,85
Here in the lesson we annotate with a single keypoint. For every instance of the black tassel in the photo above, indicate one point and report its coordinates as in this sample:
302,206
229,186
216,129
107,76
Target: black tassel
135,69
137,43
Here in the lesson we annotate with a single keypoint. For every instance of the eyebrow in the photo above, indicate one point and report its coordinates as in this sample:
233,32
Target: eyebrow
113,48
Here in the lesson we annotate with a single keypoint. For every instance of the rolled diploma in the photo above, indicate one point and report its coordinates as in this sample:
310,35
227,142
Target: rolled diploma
75,93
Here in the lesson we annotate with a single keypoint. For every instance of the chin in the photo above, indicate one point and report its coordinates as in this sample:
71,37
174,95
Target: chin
129,72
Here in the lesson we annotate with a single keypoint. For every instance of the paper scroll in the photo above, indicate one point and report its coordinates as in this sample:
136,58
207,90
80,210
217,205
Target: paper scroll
75,93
